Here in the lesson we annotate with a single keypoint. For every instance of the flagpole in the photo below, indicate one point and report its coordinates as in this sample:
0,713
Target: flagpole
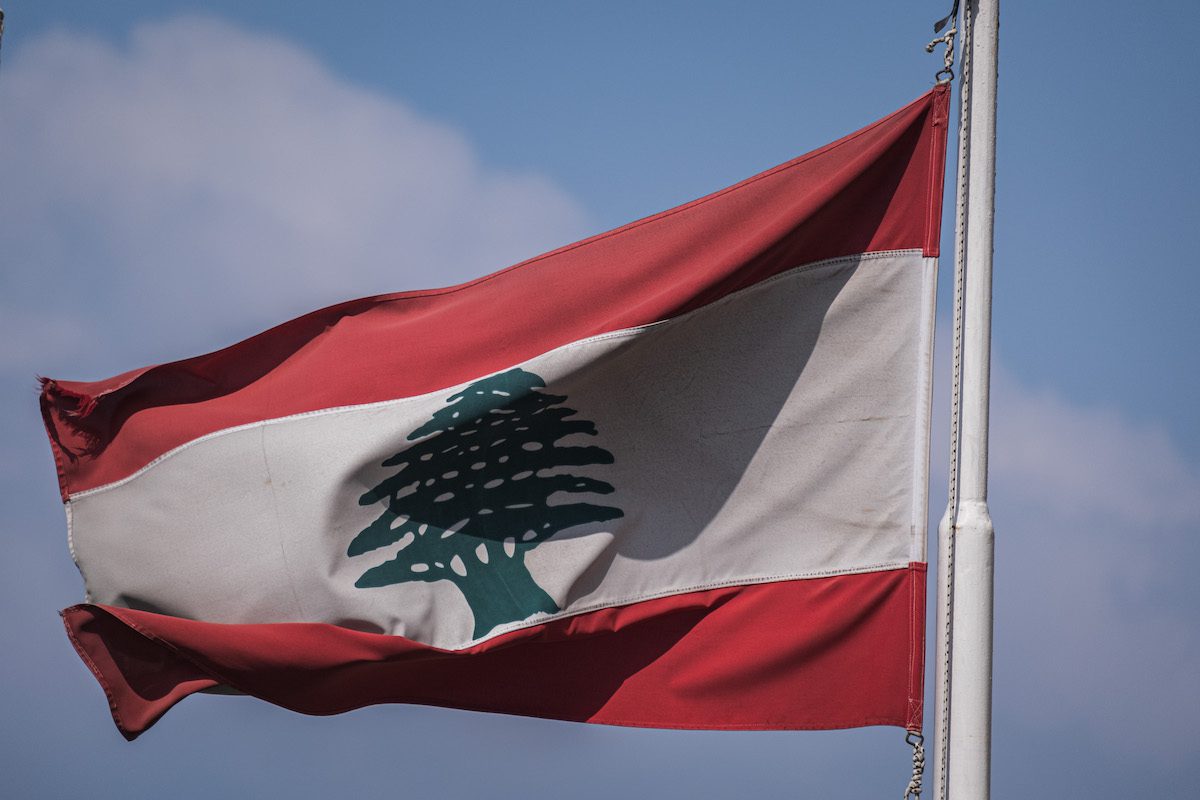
965,773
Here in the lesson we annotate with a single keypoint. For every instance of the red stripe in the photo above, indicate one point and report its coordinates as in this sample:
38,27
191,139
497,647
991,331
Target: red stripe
878,189
833,652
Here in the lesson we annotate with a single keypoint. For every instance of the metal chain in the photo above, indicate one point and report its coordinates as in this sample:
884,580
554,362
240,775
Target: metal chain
960,253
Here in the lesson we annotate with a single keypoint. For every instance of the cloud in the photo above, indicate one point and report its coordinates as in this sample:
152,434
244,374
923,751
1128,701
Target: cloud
1069,458
1096,521
201,182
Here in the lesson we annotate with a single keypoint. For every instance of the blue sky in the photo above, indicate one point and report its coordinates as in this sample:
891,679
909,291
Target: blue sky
177,175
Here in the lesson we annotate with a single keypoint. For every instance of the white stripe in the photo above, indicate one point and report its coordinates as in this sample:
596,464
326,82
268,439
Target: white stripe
775,434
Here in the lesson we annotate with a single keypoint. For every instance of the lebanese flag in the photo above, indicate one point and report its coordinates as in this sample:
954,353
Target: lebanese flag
673,475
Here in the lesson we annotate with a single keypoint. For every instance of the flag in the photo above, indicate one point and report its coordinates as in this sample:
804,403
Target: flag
673,475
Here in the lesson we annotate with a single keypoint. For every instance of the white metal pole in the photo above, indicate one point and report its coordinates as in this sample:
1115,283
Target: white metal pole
971,624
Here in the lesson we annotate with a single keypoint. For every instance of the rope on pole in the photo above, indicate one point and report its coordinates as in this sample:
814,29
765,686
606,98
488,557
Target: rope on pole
917,742
947,532
946,73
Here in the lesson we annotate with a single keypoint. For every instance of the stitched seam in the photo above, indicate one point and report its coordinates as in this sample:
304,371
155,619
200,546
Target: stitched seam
912,647
623,333
591,239
663,214
702,587
933,208
223,680
922,416
927,247
67,506
545,712
99,675
64,484
212,675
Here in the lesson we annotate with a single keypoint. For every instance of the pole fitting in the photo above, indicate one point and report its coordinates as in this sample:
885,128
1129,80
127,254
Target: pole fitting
917,742
946,73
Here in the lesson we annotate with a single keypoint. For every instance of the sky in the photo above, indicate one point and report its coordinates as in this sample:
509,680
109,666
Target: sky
179,175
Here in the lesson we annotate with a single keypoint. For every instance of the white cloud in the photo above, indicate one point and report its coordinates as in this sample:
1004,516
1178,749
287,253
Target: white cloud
201,182
1096,547
1069,458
